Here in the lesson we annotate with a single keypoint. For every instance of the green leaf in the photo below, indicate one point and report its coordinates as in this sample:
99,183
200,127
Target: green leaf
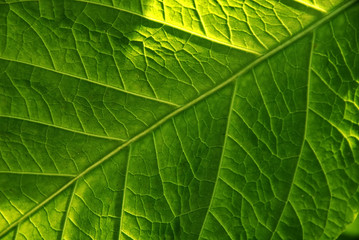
152,119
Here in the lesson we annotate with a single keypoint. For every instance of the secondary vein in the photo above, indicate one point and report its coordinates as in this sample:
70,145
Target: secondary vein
222,156
90,81
303,142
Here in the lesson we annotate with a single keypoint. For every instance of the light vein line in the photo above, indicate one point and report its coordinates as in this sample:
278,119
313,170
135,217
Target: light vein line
160,175
90,81
188,159
20,1
68,211
181,109
329,189
62,128
230,111
123,194
304,138
39,174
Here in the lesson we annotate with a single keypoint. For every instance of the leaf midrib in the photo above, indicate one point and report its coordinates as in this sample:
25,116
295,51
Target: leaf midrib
181,109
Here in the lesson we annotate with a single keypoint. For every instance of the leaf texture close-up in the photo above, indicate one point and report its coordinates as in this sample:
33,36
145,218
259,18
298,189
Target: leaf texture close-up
178,119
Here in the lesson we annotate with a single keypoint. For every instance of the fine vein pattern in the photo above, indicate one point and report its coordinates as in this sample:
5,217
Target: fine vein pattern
178,119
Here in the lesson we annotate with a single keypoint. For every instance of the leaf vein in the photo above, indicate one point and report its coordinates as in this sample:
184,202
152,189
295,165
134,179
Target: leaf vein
304,138
90,81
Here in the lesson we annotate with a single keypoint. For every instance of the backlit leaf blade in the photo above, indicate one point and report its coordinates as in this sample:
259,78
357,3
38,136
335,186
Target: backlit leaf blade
117,123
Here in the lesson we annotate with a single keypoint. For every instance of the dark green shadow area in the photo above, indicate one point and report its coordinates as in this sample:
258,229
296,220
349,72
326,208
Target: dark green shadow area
352,231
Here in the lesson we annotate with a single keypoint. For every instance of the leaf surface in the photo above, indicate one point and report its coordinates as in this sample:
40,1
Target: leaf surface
178,119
